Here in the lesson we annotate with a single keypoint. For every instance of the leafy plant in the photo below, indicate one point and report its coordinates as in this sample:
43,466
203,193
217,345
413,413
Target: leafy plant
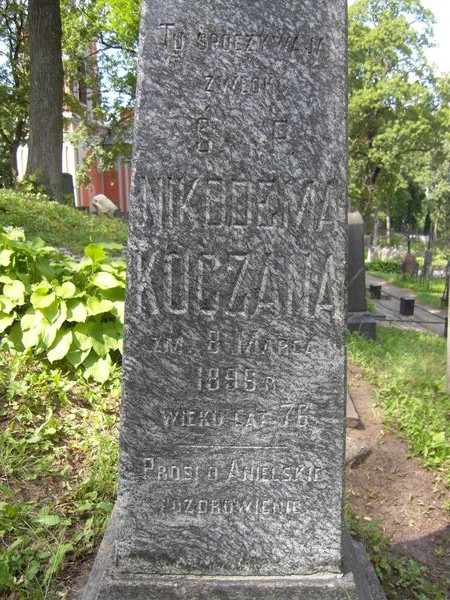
65,309
384,266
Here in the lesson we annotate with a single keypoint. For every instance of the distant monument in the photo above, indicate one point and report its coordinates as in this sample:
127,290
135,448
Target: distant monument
358,319
233,410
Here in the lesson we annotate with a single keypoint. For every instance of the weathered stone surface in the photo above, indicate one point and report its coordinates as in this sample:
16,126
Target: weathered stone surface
356,280
233,413
232,442
358,581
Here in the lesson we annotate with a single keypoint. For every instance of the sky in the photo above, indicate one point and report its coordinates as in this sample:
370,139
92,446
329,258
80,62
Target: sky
440,55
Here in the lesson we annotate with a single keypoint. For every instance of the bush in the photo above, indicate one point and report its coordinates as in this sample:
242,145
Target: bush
60,308
383,266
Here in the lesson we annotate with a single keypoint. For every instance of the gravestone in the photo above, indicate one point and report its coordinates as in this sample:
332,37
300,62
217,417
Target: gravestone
358,319
232,426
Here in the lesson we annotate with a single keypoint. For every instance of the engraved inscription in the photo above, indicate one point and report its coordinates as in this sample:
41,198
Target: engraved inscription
280,129
180,283
203,131
168,345
201,419
164,470
256,343
239,379
242,85
228,506
174,39
286,416
270,203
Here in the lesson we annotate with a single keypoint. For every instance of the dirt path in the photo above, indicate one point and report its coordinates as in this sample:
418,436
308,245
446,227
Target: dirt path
426,318
396,489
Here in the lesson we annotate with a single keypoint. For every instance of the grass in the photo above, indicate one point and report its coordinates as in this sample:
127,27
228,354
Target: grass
58,450
57,224
400,576
428,292
408,370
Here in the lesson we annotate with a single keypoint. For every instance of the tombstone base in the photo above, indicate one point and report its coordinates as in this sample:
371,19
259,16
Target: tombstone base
363,323
358,582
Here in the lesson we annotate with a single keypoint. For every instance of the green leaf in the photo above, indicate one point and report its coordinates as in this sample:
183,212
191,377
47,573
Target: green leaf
6,577
32,570
76,311
40,298
37,243
15,233
6,320
119,309
111,245
45,268
15,291
57,559
66,290
105,281
15,337
49,334
6,305
56,313
48,520
111,336
33,324
98,368
94,252
61,345
83,335
31,320
96,306
76,357
31,338
5,257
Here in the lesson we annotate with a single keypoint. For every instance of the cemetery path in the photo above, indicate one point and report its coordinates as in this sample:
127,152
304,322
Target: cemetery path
426,318
387,484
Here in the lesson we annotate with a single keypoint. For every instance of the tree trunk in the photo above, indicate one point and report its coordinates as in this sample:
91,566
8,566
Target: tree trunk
388,227
46,96
376,223
435,228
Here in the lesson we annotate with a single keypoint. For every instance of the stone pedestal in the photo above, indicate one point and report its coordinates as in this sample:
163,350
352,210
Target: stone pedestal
357,581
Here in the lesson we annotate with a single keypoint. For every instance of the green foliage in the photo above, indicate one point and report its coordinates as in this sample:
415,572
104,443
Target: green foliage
408,371
383,266
58,449
400,577
393,105
60,308
60,226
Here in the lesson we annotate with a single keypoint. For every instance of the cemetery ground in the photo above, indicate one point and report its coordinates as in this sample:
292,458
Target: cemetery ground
58,448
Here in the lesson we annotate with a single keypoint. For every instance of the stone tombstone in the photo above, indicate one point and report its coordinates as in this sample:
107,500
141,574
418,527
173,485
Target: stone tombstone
356,279
232,425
